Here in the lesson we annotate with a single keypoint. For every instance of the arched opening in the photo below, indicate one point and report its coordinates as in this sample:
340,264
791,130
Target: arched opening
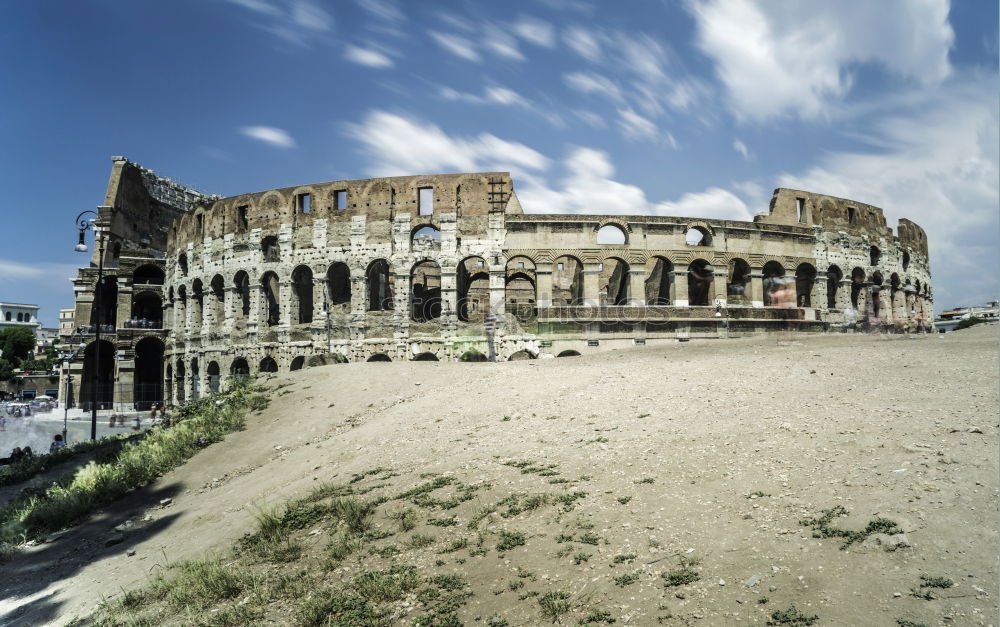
519,288
148,274
775,286
214,377
613,282
147,386
876,290
698,236
103,366
568,353
338,286
197,304
379,357
897,298
834,276
425,357
875,255
302,295
180,309
906,260
425,235
241,283
269,294
380,286
239,371
195,380
567,281
700,275
116,254
218,299
270,249
182,264
472,355
425,291
106,299
611,234
297,363
520,356
181,381
857,282
147,311
659,282
805,278
268,365
169,391
473,279
737,283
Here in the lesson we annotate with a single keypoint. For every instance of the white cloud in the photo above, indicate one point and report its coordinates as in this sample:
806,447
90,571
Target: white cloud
504,96
457,45
297,22
269,135
535,31
936,163
260,6
591,119
741,148
382,9
787,56
398,145
367,56
713,203
592,83
308,15
584,42
501,43
634,127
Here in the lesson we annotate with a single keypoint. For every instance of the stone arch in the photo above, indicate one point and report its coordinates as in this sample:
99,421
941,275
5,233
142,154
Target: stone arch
338,285
148,274
147,378
380,286
270,249
197,303
699,233
268,364
521,355
701,277
301,306
181,378
611,234
426,356
613,281
520,287
473,294
214,377
425,231
906,260
241,287
218,288
659,281
239,368
425,291
738,283
147,310
805,278
857,283
379,357
774,284
567,281
182,264
270,294
874,255
472,355
297,363
834,275
106,292
195,379
569,353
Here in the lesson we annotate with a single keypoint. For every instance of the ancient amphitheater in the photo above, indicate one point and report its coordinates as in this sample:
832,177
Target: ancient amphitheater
200,289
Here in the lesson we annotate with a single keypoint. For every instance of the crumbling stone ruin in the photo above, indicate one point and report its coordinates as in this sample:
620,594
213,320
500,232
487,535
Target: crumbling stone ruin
202,289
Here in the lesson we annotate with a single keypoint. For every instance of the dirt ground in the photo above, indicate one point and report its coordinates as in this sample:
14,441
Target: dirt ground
710,450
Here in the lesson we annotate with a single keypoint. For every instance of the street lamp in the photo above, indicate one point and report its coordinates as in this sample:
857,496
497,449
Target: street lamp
83,224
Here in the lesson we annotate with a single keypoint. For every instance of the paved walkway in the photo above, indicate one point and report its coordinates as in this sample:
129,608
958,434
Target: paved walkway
37,430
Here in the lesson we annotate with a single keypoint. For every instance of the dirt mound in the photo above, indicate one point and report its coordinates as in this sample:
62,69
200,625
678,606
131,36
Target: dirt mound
623,473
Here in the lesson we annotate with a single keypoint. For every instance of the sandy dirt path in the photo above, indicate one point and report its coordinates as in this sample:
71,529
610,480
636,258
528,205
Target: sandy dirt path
884,426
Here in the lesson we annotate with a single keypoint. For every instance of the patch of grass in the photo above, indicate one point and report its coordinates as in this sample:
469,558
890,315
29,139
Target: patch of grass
597,617
823,529
598,440
624,500
386,585
935,582
449,583
423,489
405,518
757,495
456,545
627,579
645,480
333,607
791,616
443,522
510,540
342,546
590,538
388,550
554,604
581,557
569,500
497,621
419,541
625,557
356,514
367,473
201,583
906,622
680,577
564,537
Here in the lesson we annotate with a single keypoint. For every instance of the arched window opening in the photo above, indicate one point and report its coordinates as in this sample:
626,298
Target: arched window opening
520,283
876,290
379,357
659,282
472,355
268,365
737,283
568,353
148,274
147,311
103,367
241,283
700,276
425,291
269,292
270,249
147,387
218,287
338,285
567,281
698,236
805,278
197,303
20,317
297,363
833,278
180,309
426,233
906,260
425,357
106,299
195,380
214,377
875,255
116,253
239,371
520,356
302,294
380,286
613,282
857,282
181,381
182,264
473,294
776,288
612,235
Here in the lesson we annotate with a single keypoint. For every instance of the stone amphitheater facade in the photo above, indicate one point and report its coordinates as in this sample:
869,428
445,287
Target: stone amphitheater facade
407,268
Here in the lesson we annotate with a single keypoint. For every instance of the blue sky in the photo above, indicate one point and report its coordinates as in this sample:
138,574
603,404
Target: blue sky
695,108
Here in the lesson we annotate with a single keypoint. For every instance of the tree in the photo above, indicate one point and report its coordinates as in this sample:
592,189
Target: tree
17,344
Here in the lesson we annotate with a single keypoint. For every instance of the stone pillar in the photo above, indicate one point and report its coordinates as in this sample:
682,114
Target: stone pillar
256,296
319,301
449,296
885,304
543,285
680,288
498,290
359,293
818,294
719,286
229,300
637,287
591,274
284,303
757,287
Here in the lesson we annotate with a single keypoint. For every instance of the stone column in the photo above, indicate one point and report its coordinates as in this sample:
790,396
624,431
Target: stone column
229,300
680,288
498,291
844,294
637,286
719,286
591,274
543,285
256,296
818,294
449,296
359,293
319,298
757,287
284,303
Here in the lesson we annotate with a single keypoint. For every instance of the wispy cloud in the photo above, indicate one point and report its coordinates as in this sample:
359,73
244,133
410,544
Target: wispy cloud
741,148
367,56
296,22
383,9
534,30
634,127
456,44
583,41
269,135
501,43
593,83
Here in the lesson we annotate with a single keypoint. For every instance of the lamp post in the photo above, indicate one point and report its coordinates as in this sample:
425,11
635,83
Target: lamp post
83,224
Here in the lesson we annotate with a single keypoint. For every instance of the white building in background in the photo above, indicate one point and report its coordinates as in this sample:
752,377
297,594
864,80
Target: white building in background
19,315
67,318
